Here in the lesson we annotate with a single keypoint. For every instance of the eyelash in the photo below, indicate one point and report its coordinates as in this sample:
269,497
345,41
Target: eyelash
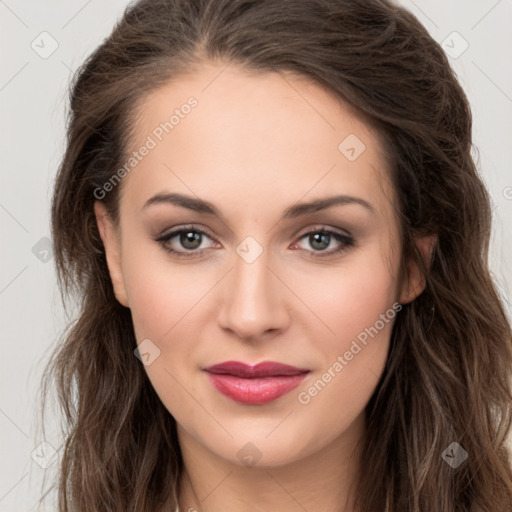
346,242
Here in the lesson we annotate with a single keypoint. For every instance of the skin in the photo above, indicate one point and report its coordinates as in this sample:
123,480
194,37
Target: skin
255,144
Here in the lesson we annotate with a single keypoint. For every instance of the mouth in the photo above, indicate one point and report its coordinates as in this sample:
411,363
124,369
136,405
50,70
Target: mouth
254,385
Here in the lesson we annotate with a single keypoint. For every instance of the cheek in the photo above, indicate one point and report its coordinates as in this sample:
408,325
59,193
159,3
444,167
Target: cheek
357,304
349,299
353,362
164,299
160,292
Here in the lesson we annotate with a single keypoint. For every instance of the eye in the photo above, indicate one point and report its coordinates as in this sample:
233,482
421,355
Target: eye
188,237
322,238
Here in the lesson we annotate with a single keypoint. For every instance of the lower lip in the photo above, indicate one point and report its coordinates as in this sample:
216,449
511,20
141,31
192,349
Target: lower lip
255,391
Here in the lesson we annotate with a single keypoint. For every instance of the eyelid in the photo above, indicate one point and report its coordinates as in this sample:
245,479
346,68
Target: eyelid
184,227
196,227
324,227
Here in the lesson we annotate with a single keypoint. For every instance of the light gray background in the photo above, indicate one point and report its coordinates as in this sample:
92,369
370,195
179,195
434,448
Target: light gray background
33,98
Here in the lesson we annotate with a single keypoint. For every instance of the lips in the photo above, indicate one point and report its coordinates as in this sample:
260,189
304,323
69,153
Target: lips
254,385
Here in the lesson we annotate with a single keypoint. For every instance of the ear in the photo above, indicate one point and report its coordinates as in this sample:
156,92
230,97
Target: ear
415,280
111,242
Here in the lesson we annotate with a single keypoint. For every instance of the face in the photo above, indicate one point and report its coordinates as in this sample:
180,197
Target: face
254,275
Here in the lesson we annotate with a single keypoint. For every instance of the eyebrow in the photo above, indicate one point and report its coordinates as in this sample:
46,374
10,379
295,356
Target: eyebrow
296,210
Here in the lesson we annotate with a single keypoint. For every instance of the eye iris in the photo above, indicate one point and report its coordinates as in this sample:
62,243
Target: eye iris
190,237
319,240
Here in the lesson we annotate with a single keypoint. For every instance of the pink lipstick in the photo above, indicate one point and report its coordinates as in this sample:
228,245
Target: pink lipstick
255,385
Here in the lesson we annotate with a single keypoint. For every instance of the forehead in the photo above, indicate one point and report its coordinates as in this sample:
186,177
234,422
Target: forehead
264,137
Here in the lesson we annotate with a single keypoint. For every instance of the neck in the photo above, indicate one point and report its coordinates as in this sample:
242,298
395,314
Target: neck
323,481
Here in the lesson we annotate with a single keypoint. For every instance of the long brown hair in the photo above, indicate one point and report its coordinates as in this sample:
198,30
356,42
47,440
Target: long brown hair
447,377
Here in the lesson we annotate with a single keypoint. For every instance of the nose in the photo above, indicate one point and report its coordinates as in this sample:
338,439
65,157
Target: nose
252,305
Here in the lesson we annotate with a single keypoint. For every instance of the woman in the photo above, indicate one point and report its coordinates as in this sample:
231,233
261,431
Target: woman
271,217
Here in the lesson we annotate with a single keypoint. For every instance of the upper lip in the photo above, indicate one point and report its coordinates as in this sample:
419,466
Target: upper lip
264,369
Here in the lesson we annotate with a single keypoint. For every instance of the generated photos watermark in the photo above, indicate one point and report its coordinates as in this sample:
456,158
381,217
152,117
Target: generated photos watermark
305,397
151,142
